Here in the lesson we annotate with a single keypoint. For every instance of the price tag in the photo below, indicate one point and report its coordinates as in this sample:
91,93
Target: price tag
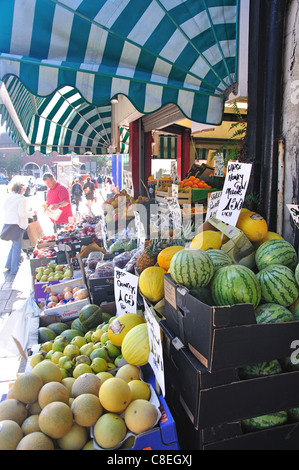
233,193
176,214
175,190
213,204
129,182
219,164
294,211
174,174
125,291
140,232
156,351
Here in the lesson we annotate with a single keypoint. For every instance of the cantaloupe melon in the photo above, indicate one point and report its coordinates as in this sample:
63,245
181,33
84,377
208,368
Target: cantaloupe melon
10,434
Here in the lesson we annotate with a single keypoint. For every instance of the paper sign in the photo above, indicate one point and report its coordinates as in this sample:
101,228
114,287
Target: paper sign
176,214
175,190
234,191
174,174
140,232
213,204
129,182
294,211
219,164
156,352
125,291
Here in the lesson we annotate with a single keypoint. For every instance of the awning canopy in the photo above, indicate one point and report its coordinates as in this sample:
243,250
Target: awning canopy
153,51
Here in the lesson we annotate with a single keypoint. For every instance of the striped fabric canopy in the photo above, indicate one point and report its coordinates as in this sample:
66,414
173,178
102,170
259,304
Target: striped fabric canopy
153,51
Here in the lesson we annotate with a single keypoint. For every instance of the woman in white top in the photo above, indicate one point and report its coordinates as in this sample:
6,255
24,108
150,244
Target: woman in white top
15,212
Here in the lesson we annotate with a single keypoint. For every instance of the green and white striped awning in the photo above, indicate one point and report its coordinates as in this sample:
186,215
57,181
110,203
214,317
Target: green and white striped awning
153,51
63,122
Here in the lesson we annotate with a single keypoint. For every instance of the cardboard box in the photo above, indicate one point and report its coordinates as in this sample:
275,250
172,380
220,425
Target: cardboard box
218,398
68,311
40,289
37,262
224,337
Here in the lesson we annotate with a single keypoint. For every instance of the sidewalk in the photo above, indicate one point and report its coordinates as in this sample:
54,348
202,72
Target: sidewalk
14,289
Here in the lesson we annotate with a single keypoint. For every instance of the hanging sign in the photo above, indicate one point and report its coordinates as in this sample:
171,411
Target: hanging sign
175,190
156,350
294,211
174,174
176,215
219,164
234,191
125,291
129,182
213,204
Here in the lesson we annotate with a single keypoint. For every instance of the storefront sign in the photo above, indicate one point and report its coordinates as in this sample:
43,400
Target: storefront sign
125,291
234,191
156,352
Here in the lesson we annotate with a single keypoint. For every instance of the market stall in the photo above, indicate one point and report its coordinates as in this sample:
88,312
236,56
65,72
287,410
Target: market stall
195,333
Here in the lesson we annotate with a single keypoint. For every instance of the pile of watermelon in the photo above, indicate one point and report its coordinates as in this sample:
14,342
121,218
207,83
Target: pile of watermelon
272,287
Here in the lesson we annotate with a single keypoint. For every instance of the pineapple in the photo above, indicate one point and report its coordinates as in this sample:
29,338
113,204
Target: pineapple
149,256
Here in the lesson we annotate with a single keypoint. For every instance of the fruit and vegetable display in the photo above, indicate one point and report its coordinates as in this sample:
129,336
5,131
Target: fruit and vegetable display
53,272
117,207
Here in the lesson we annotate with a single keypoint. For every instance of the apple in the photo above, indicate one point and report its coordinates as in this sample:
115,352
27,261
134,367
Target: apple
51,304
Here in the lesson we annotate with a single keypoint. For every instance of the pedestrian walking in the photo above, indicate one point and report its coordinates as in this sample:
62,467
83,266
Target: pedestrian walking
89,192
77,192
16,215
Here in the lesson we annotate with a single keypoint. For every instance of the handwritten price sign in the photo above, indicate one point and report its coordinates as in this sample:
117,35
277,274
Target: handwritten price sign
234,191
125,291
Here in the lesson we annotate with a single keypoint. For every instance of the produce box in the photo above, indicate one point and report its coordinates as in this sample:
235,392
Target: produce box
224,337
218,398
40,289
188,197
68,311
37,262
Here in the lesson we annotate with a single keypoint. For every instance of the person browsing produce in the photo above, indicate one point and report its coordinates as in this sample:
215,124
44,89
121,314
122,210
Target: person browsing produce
58,197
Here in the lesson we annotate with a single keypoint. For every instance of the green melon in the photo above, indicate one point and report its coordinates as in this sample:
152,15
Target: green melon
192,268
297,274
58,327
77,325
45,334
90,316
235,284
70,334
278,285
293,414
265,421
260,369
276,252
219,258
273,313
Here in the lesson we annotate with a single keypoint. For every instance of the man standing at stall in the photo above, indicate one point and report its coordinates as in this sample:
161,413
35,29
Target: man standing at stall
58,197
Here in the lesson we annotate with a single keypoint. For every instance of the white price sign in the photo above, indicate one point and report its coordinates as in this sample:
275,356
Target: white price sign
213,204
129,182
174,174
219,164
294,211
125,291
156,350
234,191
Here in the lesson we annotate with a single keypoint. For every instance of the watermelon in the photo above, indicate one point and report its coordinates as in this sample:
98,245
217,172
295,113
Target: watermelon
297,274
293,414
265,421
45,334
192,268
294,308
276,252
58,327
273,313
260,369
77,325
219,258
90,316
278,285
70,334
235,285
203,294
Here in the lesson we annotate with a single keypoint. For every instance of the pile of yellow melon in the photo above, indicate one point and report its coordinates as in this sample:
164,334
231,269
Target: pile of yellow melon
44,411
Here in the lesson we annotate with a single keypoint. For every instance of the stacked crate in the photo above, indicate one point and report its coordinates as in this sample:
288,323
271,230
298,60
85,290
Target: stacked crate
204,347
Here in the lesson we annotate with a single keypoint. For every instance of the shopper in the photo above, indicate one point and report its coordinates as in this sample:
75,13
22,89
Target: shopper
58,197
16,212
89,192
77,192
